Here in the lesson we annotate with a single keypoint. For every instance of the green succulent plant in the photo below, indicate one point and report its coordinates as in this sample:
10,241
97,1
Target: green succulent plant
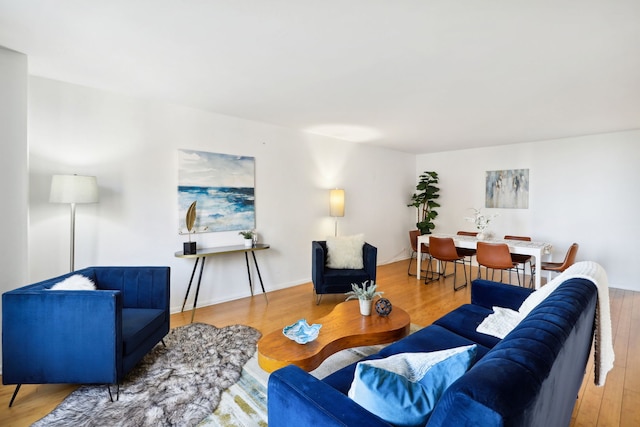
247,234
366,291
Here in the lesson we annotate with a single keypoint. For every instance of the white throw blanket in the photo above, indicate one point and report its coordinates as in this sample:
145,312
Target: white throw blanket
503,320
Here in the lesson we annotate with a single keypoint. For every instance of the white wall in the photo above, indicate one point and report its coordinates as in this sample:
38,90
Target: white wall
131,146
583,190
13,170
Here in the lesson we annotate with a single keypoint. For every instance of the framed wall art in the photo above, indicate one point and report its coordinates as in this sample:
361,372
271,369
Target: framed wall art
223,186
507,189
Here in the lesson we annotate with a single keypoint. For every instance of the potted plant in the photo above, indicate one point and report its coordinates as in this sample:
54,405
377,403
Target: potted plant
189,248
424,201
248,238
365,295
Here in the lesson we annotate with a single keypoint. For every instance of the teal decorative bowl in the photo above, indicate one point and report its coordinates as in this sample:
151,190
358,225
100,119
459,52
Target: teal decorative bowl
301,332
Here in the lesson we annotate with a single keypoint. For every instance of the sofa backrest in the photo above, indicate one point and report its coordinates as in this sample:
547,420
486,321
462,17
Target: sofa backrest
532,377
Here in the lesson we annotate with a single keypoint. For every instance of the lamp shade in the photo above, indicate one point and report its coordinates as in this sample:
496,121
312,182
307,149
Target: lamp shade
73,189
336,203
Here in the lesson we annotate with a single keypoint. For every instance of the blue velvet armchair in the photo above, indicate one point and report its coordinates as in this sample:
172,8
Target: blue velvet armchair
335,281
84,336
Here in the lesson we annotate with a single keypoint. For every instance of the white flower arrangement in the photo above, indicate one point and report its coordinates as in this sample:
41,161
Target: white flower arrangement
480,220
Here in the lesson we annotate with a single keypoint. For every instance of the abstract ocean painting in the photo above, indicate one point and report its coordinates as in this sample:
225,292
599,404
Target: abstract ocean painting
507,189
223,186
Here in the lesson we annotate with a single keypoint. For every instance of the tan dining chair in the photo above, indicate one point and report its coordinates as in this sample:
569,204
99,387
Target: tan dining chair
413,239
444,250
559,267
495,256
522,260
467,252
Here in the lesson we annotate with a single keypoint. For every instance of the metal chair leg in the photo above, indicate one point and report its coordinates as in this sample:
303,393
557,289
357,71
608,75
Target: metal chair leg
15,393
410,261
454,276
117,392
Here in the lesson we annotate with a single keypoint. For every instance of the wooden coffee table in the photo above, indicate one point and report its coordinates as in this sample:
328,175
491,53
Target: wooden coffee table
343,328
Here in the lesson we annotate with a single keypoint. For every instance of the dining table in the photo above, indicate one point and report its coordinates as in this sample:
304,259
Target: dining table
533,248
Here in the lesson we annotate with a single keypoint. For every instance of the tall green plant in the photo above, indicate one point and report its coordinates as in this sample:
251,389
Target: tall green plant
424,201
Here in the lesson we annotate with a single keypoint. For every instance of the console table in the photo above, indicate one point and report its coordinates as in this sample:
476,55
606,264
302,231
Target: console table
202,254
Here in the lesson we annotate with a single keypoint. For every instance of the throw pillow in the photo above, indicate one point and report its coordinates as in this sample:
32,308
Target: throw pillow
77,282
403,389
345,251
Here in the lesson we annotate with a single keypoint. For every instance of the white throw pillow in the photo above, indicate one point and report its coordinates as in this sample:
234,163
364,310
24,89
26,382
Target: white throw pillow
77,282
345,251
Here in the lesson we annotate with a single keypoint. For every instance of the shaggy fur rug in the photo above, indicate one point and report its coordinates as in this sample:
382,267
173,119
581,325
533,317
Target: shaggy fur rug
176,385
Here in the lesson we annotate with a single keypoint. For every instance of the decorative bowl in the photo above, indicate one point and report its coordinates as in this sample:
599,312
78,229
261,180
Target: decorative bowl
301,332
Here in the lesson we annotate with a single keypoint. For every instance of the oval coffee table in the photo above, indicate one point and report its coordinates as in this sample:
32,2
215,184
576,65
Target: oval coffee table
343,328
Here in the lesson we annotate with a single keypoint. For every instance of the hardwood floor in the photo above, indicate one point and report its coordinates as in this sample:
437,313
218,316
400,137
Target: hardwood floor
615,404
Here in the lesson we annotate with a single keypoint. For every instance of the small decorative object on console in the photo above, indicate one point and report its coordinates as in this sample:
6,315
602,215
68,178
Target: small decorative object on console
248,237
189,248
301,332
383,307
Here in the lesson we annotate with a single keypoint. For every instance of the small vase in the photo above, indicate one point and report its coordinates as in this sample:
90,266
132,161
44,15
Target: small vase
481,235
365,306
189,248
248,243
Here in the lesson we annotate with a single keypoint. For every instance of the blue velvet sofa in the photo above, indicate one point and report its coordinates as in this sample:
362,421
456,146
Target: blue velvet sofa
84,336
529,378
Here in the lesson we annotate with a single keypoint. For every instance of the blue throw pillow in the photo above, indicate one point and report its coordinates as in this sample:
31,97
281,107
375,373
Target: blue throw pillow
403,389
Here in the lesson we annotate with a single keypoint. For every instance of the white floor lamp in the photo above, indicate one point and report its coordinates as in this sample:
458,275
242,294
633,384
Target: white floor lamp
73,189
336,205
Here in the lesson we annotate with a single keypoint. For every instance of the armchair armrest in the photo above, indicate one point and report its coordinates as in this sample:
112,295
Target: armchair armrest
42,341
296,395
488,294
318,259
370,260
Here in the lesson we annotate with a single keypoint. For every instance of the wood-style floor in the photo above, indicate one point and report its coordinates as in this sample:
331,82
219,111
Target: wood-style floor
615,404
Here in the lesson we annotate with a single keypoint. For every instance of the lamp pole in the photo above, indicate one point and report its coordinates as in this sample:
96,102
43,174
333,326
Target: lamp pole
73,237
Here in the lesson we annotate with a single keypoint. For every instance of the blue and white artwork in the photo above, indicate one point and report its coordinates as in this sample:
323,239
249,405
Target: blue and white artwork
223,186
507,189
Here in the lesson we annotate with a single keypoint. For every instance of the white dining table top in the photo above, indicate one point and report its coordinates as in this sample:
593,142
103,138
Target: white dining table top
546,247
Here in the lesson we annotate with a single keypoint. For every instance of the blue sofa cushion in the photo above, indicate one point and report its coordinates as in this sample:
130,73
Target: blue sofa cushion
465,320
404,388
138,324
431,338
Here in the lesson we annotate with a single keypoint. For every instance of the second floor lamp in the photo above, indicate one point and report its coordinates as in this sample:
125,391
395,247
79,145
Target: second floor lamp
73,189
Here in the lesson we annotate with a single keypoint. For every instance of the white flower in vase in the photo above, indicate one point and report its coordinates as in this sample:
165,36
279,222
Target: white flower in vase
481,222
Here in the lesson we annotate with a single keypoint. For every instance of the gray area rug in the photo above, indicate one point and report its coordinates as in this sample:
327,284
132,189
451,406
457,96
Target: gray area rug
177,385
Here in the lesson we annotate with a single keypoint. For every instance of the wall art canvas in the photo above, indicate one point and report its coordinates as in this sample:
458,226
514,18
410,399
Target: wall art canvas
223,186
507,189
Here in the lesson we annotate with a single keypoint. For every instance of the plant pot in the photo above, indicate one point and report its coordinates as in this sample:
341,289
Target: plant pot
365,306
248,243
189,248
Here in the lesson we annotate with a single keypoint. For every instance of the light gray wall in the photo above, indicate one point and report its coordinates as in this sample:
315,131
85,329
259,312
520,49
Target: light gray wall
13,170
583,190
131,146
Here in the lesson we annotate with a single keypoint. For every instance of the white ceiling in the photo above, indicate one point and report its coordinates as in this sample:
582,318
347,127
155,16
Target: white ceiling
415,75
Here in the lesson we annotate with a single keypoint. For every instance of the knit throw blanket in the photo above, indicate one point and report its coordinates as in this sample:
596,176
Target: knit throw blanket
503,320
